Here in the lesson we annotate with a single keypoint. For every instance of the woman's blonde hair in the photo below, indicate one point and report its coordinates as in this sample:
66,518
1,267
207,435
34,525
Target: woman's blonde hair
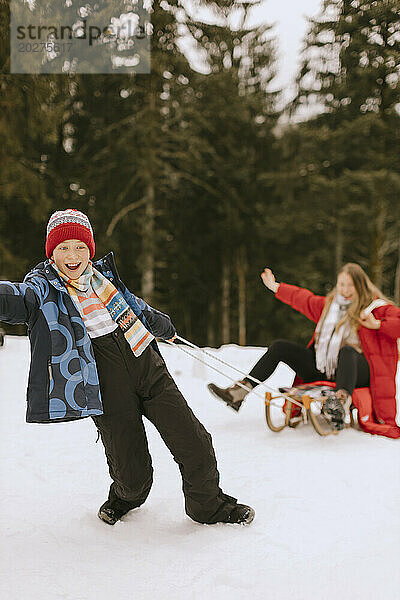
366,293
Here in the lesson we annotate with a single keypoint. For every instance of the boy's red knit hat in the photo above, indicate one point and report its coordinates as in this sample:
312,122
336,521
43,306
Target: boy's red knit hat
69,224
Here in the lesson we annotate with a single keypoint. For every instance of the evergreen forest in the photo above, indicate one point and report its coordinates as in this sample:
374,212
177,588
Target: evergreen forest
198,180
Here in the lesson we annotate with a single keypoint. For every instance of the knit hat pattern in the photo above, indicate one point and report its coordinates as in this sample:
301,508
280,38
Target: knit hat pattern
69,224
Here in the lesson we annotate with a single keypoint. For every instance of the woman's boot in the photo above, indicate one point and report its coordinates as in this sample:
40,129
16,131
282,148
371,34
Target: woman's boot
233,395
336,407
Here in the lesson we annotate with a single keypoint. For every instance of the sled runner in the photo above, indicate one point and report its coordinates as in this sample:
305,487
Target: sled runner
311,397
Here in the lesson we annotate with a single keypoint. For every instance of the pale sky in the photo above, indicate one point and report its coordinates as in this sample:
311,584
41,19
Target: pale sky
290,19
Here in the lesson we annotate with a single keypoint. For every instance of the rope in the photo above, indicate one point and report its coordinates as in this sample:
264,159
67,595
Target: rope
272,403
258,381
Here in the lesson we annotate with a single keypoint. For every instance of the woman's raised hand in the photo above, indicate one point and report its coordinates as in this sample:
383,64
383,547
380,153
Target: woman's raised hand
269,280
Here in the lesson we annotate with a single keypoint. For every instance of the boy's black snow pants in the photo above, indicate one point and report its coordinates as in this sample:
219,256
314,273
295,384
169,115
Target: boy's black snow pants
135,386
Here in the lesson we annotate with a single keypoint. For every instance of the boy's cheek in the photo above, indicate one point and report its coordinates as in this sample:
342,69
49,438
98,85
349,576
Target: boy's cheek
85,264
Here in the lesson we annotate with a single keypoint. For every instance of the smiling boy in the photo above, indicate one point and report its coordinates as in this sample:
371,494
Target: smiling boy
71,257
94,354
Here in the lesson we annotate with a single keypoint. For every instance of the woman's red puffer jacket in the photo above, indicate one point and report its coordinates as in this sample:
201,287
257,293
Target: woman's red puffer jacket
380,348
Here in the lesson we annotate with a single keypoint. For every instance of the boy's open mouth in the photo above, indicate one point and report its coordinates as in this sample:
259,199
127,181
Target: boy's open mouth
73,266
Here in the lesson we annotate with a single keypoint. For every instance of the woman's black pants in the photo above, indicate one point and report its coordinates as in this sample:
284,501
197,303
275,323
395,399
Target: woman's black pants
133,387
352,367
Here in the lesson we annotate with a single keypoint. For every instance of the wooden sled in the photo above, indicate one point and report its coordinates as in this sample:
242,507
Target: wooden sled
290,414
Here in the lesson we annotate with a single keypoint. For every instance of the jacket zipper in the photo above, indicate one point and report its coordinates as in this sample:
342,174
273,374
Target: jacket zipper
50,376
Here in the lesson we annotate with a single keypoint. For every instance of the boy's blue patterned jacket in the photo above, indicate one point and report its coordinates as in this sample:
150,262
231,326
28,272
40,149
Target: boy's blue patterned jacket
63,381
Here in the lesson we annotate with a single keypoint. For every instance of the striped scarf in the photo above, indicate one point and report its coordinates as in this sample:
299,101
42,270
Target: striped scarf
134,331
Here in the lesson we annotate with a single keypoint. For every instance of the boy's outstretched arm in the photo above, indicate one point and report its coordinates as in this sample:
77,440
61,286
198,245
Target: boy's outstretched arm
18,302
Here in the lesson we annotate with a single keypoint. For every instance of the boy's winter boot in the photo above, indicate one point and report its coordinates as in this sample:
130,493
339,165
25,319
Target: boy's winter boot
242,514
112,510
233,395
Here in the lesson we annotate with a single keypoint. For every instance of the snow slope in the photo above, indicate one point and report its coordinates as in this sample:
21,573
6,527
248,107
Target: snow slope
327,509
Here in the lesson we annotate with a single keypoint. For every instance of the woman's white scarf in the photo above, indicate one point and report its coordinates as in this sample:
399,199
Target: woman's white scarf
329,340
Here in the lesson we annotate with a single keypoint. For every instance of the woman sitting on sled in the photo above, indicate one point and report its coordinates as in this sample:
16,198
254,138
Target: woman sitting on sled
354,345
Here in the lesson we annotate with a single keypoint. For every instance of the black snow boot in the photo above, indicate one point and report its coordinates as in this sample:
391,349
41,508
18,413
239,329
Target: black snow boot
112,510
241,513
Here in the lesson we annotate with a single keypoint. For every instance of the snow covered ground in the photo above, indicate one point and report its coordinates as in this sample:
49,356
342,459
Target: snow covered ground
327,520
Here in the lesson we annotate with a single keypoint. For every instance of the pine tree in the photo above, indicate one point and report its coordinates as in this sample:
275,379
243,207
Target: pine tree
350,75
237,117
351,58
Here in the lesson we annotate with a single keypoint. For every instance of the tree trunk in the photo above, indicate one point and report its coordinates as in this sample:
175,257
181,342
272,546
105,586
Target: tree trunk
148,246
211,338
241,267
148,228
226,300
187,320
378,245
